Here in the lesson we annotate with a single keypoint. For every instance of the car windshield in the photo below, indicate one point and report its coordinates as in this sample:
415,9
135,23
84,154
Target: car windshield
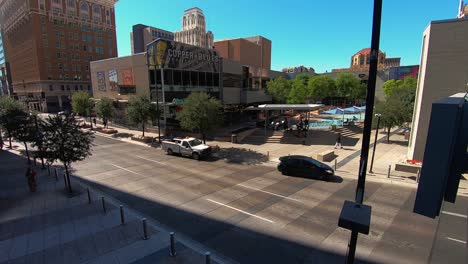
194,142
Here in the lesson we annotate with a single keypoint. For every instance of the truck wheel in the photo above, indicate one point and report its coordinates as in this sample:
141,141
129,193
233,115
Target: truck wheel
169,152
196,156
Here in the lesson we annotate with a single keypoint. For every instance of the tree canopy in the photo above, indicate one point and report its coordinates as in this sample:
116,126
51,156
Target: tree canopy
349,85
321,86
10,110
201,112
299,91
105,109
64,141
81,103
140,110
279,89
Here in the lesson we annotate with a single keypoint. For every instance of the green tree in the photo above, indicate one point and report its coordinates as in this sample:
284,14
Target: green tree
81,104
25,131
407,85
201,112
279,88
392,112
105,109
321,86
140,110
10,109
350,86
64,141
299,91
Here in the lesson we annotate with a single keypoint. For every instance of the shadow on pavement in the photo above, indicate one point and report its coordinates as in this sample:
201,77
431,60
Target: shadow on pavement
239,156
225,237
122,135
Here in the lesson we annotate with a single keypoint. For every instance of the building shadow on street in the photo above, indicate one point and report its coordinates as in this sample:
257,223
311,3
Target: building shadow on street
239,156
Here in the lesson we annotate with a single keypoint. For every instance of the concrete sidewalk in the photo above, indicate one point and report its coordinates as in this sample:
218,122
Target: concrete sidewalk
52,226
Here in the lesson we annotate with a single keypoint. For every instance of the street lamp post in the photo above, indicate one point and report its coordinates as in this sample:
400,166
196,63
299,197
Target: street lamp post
375,142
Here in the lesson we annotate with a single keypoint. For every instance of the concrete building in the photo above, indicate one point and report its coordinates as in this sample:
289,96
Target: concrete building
253,51
194,29
443,72
293,71
142,35
49,45
360,62
4,84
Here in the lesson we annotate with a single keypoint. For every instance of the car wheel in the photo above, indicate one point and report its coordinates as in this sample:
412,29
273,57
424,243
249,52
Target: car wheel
196,156
169,152
284,171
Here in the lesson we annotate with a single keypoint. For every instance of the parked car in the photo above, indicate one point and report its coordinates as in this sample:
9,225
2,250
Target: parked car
190,147
306,167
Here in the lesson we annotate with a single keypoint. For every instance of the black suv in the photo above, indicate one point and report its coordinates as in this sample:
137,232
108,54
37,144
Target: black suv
306,167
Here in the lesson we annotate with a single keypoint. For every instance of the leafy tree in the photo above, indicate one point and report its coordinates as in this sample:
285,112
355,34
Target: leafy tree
81,104
350,86
25,131
279,88
64,141
393,112
321,86
140,110
407,85
105,109
10,109
299,91
201,112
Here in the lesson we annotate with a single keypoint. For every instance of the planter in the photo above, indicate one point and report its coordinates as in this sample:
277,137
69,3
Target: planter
108,131
142,139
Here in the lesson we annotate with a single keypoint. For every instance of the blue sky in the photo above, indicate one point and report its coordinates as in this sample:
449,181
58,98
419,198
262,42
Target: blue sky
320,34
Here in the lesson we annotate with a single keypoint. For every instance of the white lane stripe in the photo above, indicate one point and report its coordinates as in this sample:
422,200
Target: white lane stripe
454,214
162,163
238,210
456,240
279,195
127,170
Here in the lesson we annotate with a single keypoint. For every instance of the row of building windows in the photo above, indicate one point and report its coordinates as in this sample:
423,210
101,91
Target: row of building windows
186,78
64,67
66,77
68,87
157,34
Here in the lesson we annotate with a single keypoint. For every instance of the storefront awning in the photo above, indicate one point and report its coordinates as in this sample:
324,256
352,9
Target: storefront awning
303,107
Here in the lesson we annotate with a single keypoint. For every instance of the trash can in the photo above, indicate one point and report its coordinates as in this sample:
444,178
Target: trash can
234,138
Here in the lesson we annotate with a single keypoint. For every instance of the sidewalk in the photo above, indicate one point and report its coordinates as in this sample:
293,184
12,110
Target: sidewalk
51,226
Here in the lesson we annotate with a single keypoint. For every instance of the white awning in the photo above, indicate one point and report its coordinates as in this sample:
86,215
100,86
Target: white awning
304,107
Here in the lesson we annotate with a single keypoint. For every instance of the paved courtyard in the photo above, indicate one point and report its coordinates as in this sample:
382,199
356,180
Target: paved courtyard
252,213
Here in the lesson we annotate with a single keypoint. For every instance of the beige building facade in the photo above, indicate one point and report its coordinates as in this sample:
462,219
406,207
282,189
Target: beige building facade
443,72
194,29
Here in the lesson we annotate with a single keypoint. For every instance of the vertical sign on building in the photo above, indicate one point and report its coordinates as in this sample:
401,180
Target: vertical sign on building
101,81
127,76
113,80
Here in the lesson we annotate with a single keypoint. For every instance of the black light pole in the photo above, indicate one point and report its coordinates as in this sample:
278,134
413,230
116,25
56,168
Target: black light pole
374,56
375,142
157,104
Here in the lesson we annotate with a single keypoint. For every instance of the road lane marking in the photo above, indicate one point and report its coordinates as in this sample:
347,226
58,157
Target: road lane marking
279,195
122,168
238,210
162,163
456,240
454,214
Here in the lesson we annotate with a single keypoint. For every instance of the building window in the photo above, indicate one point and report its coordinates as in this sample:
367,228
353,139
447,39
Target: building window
51,87
62,87
110,52
42,4
87,68
76,87
43,20
89,87
68,87
81,87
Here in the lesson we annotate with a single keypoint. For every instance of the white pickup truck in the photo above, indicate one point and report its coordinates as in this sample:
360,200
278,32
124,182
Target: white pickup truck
190,147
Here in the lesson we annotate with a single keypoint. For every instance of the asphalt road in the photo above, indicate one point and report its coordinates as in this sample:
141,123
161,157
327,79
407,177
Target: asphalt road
252,213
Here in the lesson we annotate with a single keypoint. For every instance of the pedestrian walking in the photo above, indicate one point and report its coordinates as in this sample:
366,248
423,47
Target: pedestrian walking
1,141
94,121
338,141
31,177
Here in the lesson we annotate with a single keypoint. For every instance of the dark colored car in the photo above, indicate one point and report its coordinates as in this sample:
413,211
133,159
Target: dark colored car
306,167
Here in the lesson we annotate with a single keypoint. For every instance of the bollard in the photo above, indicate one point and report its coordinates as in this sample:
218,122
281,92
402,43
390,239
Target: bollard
89,195
64,180
389,169
335,164
122,217
48,169
145,229
268,155
207,257
103,204
172,248
35,161
418,175
56,173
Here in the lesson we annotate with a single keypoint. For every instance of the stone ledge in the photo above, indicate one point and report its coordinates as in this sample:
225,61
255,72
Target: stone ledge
405,167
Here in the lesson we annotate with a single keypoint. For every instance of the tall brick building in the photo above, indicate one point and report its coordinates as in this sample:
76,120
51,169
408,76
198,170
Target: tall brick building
49,45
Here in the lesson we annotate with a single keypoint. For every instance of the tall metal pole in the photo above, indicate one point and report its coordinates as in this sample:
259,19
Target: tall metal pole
375,142
374,56
163,100
157,104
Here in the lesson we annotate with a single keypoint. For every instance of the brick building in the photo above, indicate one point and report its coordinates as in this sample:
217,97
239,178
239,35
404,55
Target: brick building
49,45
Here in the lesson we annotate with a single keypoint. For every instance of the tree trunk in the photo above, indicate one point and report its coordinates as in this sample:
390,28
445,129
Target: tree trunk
203,136
9,138
27,152
388,135
143,125
68,178
91,122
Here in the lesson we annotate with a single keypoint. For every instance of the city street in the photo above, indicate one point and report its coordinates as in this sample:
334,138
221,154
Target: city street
252,213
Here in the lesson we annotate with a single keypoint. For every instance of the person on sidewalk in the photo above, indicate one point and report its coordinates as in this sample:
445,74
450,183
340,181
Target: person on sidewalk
338,141
1,141
94,121
31,177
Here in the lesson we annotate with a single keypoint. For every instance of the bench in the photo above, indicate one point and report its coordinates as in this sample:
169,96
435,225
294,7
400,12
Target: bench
412,168
326,156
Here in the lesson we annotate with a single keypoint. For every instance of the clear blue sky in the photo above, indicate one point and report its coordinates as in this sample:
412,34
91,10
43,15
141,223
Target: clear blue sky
321,34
